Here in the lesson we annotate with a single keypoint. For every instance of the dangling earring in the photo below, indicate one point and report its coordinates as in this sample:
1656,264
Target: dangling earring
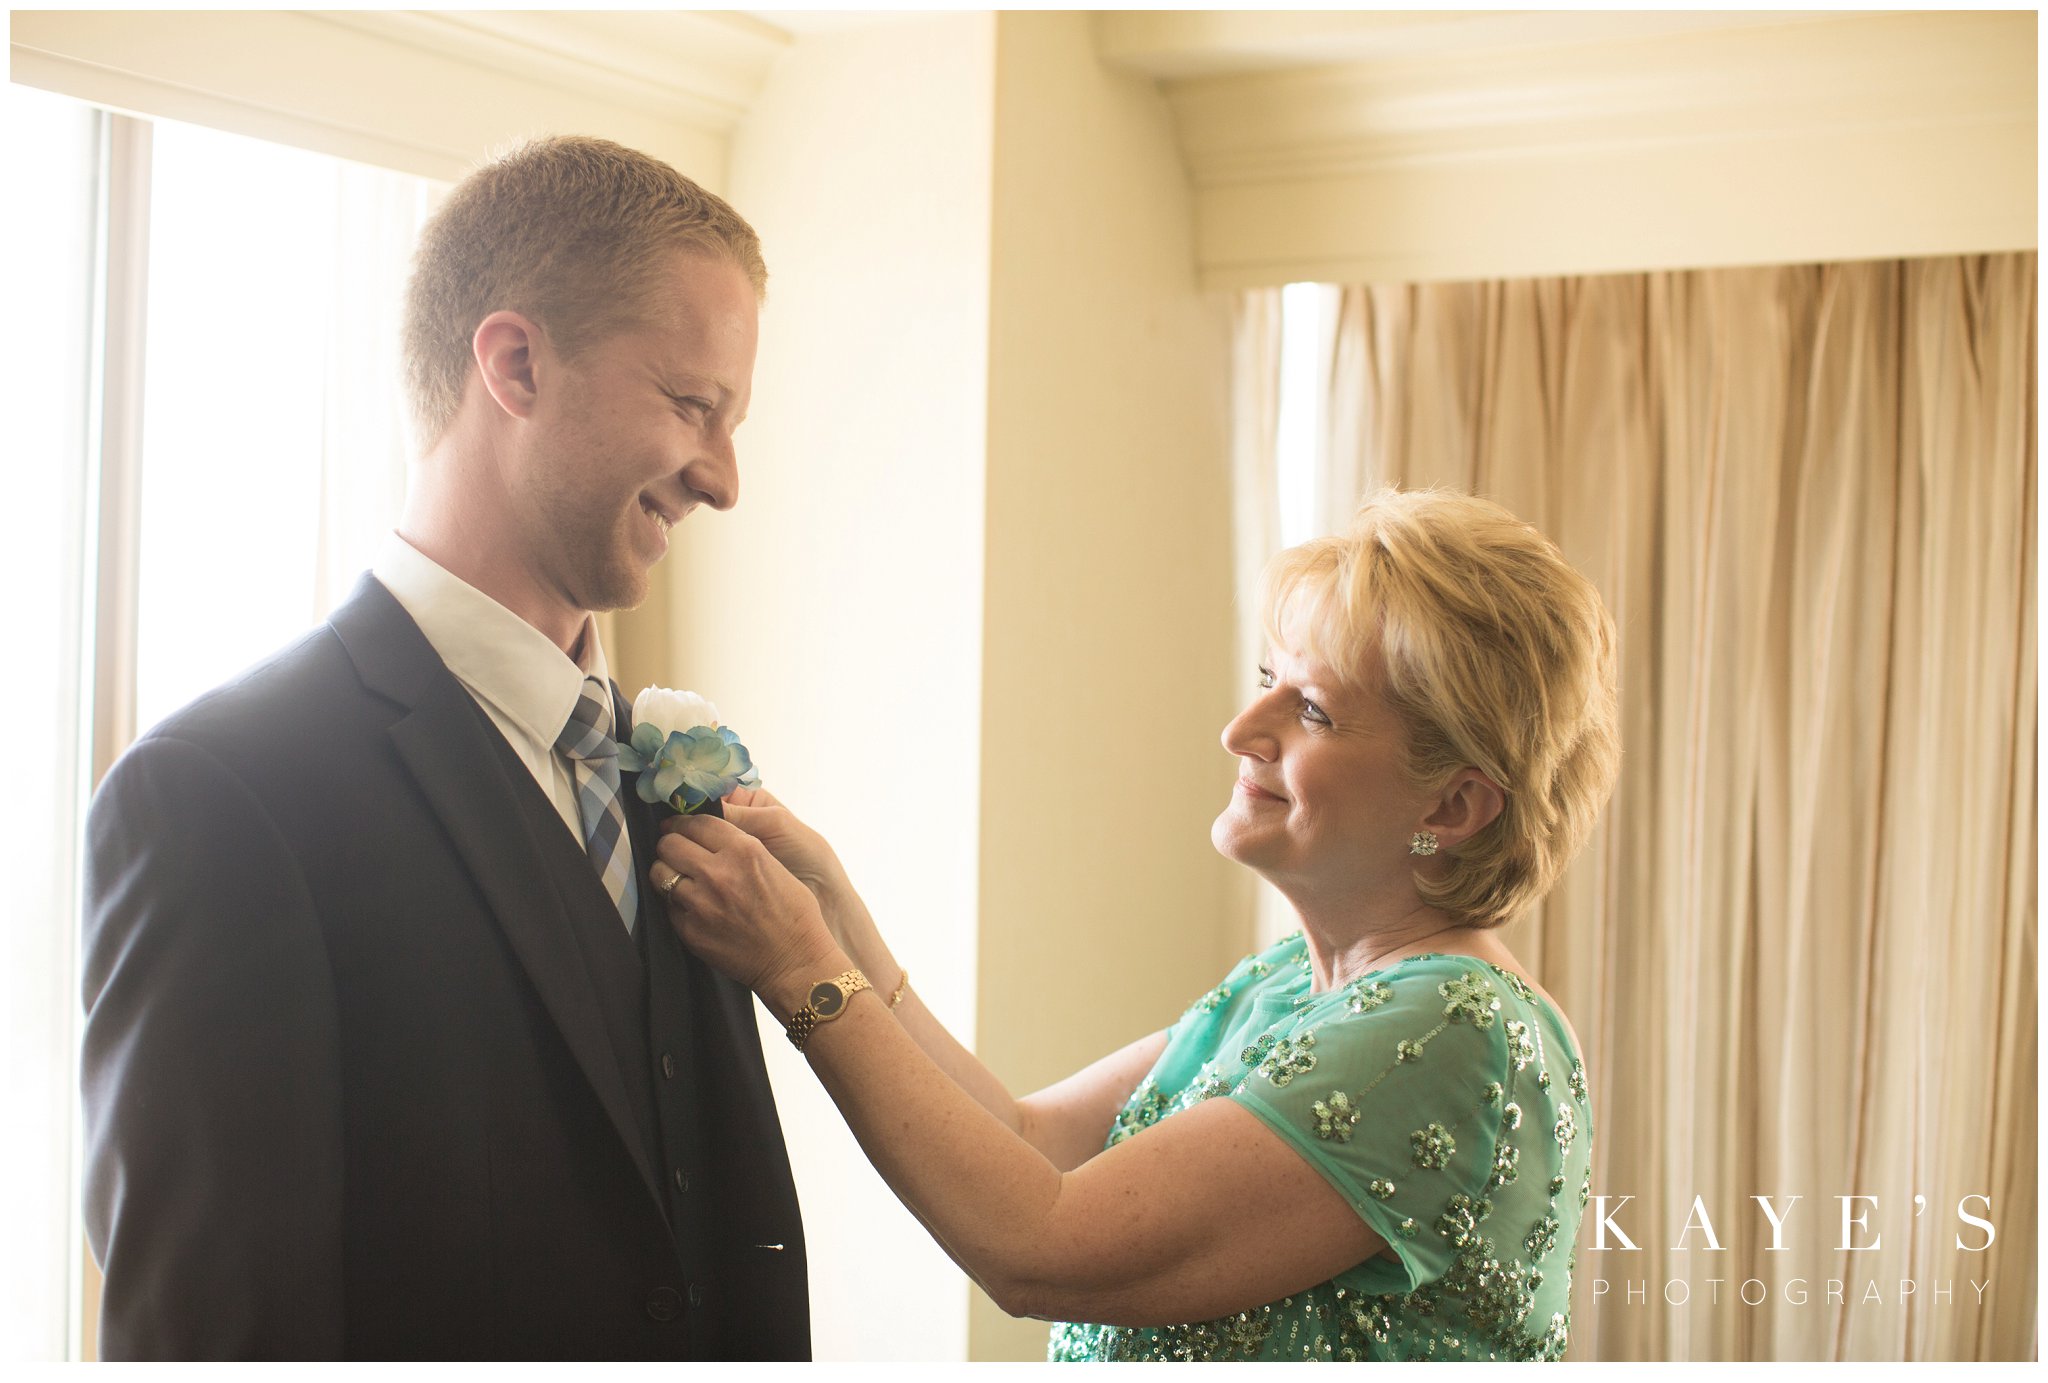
1424,843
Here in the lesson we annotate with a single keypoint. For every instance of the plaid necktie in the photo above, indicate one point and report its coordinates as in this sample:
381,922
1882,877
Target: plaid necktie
595,755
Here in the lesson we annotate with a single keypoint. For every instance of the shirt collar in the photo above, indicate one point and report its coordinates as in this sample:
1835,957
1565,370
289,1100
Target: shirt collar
497,655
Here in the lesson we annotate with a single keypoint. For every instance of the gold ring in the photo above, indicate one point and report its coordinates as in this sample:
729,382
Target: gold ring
668,889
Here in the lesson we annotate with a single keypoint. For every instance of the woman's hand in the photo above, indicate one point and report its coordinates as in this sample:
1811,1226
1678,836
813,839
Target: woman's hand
806,855
737,908
798,848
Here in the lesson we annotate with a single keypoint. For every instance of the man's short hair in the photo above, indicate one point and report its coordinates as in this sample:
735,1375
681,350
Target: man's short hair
572,232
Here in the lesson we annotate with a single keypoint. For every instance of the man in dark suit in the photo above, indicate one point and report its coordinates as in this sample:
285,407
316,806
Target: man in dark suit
389,1052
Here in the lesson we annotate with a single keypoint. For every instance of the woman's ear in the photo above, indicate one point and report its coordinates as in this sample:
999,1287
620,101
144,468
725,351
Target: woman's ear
1469,804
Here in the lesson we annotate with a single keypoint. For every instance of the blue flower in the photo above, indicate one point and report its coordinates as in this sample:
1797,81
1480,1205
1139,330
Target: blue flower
689,767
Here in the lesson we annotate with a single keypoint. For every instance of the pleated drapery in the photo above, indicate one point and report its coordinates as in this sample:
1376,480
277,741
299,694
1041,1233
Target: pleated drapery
1800,949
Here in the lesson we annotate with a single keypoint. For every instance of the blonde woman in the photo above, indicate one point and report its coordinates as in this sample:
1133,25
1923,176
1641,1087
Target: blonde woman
1369,1141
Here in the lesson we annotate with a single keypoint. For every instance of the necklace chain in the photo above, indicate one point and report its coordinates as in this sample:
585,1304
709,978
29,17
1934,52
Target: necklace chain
1374,963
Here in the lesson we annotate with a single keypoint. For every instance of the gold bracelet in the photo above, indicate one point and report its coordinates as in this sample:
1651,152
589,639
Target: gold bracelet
901,989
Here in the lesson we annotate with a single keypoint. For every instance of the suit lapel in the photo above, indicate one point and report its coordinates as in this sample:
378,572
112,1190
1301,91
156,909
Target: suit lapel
445,744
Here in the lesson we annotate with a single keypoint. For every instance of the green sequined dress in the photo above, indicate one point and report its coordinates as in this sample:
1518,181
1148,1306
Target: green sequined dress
1442,1097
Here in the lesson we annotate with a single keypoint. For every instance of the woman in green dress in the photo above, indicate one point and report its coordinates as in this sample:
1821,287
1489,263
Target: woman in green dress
1369,1141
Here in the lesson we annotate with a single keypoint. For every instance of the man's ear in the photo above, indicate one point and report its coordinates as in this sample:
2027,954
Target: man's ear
1469,804
504,347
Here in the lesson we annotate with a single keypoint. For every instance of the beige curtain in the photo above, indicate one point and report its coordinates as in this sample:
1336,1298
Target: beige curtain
1255,423
1255,433
364,438
1801,950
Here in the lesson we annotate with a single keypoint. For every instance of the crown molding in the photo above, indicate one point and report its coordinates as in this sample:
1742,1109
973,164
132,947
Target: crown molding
1177,45
1414,146
1873,73
419,97
701,68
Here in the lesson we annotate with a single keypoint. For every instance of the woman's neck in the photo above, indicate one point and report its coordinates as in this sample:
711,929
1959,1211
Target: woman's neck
1350,937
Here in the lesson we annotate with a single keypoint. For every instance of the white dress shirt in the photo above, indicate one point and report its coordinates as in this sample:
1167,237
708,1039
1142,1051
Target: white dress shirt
524,683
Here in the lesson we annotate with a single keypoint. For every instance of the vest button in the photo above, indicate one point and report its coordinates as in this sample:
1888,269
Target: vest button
664,1304
668,1067
696,1295
682,1179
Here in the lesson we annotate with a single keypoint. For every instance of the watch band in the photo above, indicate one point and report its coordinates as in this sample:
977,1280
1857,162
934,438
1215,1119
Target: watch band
828,999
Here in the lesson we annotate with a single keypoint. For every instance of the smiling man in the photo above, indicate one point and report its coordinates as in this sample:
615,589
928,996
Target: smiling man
387,1054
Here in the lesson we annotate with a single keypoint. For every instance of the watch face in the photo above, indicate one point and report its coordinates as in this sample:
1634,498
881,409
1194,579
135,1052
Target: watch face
826,999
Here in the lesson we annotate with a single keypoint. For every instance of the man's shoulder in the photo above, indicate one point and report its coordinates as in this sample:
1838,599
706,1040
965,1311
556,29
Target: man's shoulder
312,707
264,735
285,696
311,690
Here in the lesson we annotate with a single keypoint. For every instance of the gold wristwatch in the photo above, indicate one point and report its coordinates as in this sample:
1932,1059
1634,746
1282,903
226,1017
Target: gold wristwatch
828,1000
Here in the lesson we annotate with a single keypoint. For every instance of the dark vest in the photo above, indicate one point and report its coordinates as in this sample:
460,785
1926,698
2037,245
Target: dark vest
660,1004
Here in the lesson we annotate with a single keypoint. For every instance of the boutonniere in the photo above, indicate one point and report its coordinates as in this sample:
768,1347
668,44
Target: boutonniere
686,760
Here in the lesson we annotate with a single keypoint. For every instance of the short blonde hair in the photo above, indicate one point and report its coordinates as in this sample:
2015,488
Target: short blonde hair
572,232
1495,652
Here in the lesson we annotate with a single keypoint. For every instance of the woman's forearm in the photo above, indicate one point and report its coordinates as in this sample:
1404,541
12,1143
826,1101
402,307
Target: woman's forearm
984,1193
854,926
1067,1123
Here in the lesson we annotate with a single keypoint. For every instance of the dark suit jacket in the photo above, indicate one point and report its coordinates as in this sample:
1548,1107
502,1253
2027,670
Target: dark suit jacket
372,1069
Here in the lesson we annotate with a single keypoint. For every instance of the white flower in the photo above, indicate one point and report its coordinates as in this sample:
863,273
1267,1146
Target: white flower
673,712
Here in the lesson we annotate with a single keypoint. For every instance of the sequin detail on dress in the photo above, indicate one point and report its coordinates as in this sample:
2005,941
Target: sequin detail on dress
1425,1093
1335,1118
1289,1059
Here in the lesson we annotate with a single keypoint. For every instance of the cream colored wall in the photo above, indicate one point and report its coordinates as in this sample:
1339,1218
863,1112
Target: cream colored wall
1107,628
985,498
835,615
319,83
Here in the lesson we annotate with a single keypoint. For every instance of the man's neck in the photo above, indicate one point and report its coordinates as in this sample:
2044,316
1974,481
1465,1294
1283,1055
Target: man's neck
509,582
455,513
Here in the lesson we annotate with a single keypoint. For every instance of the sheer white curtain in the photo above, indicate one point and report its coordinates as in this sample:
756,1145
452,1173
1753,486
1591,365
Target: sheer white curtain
52,163
1801,948
274,446
365,439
